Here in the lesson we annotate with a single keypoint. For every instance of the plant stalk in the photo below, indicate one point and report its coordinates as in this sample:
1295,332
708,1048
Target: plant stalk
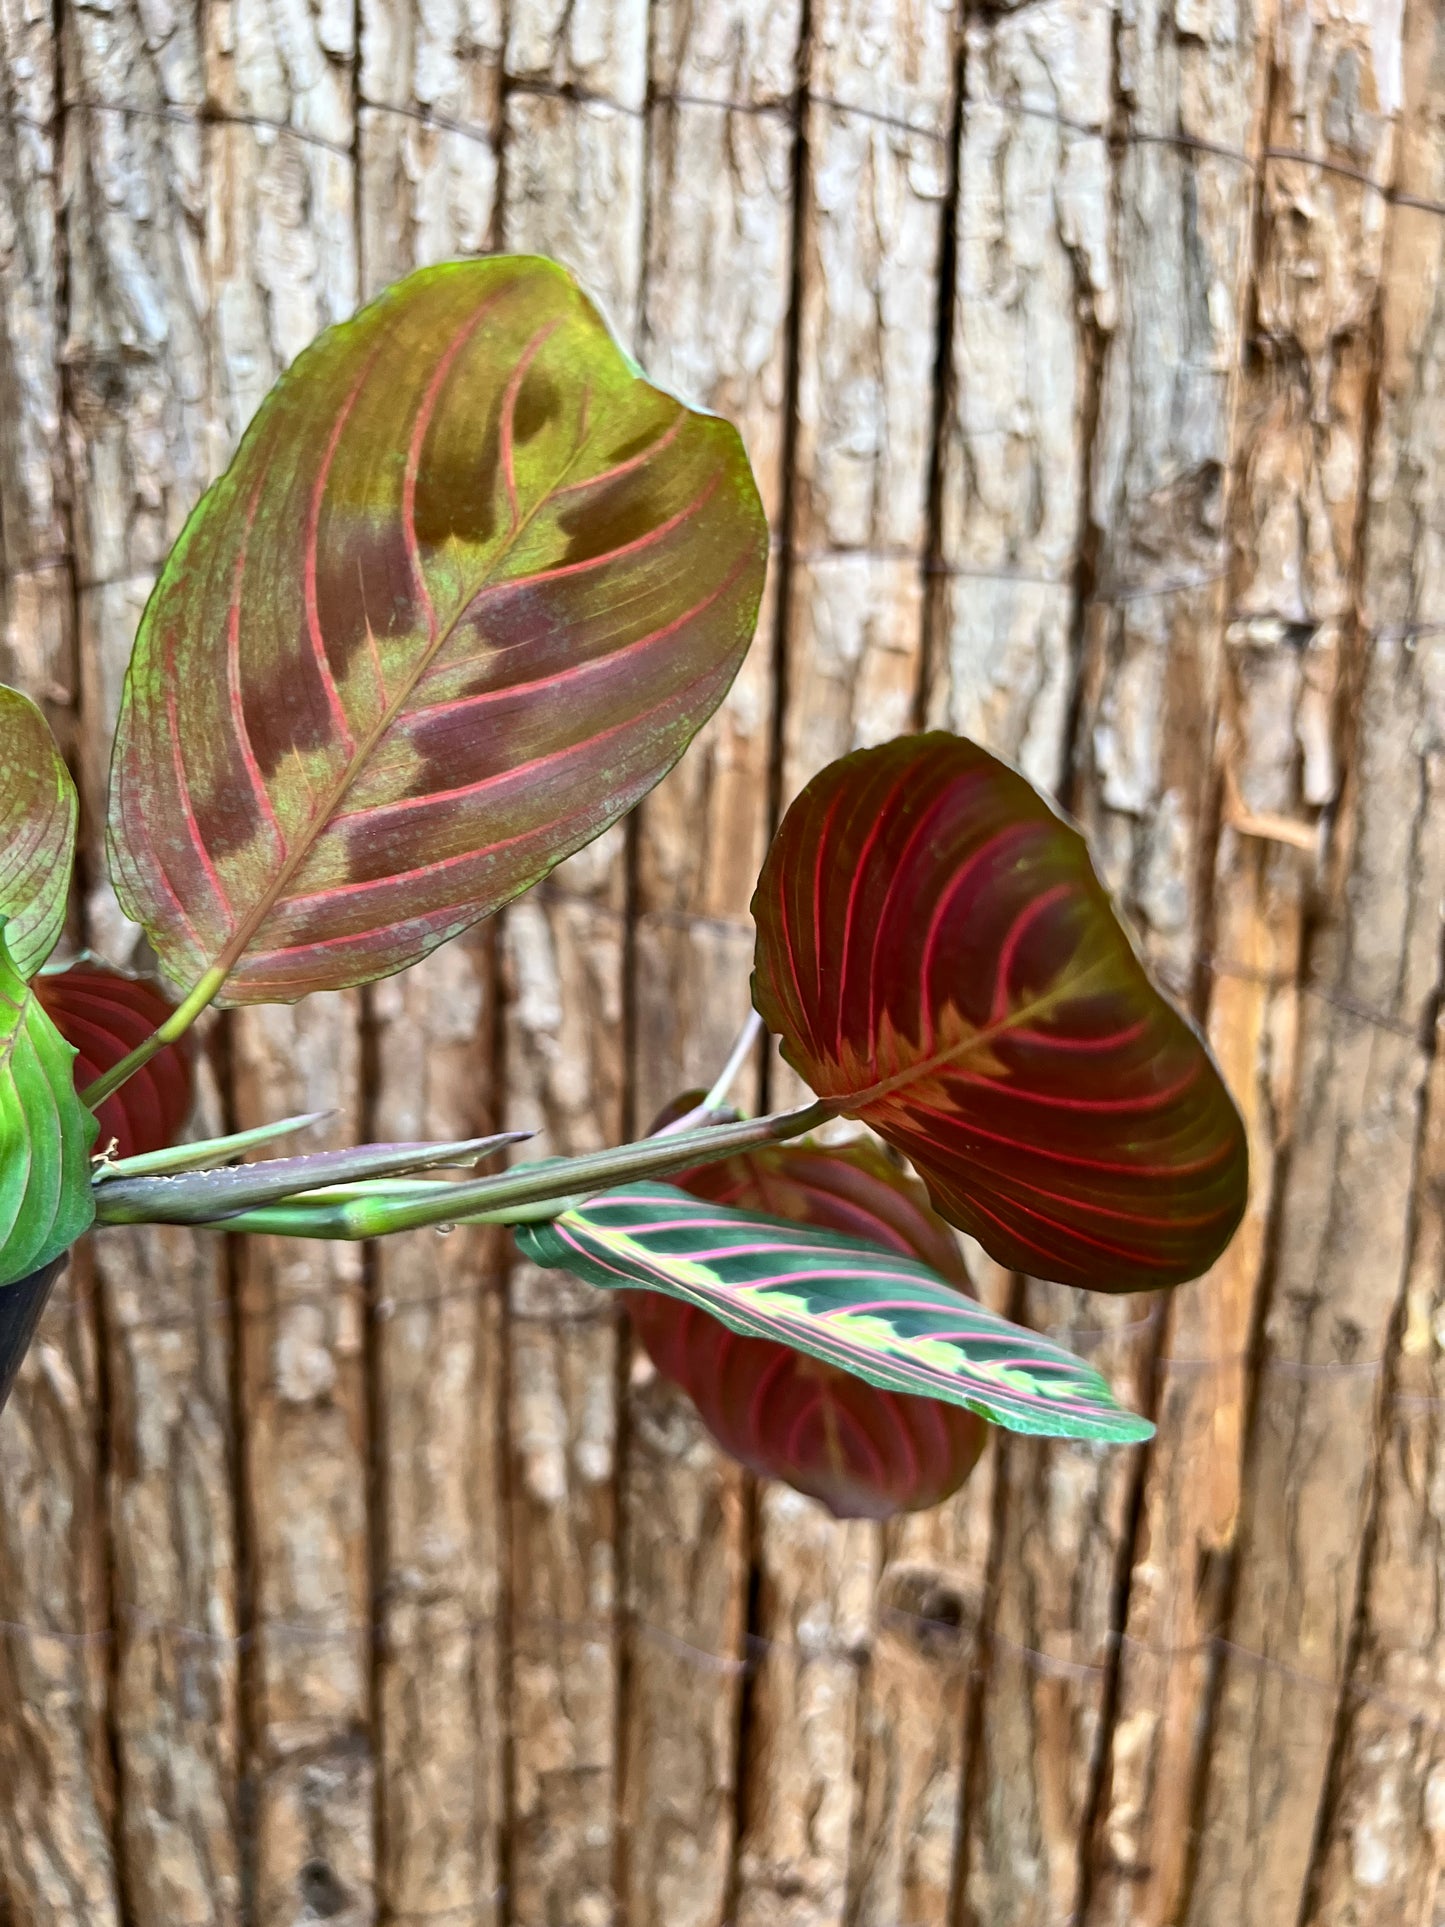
173,1029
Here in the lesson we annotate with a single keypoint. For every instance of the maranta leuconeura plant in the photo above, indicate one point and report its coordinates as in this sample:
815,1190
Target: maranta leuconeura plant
465,594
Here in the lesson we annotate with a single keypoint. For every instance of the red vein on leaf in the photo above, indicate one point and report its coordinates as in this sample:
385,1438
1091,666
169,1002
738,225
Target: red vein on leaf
183,789
1011,833
561,571
939,806
426,408
509,413
1140,1105
966,1122
763,1389
875,830
308,566
1017,930
575,672
619,469
233,677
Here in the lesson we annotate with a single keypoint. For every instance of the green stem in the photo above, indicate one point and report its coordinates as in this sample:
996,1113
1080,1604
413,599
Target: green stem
527,1193
175,1026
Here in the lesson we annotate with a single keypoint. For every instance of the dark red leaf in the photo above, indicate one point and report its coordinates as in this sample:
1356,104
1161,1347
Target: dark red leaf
104,1015
941,960
863,1451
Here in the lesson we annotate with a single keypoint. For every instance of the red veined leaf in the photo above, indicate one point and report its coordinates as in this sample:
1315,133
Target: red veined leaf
103,1016
941,960
37,832
863,1451
465,593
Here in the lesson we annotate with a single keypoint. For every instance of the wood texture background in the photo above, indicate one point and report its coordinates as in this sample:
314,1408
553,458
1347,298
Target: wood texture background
1091,356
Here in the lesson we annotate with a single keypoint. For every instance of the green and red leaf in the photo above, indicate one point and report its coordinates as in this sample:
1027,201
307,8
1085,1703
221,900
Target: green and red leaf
864,1452
941,961
104,1015
858,1308
45,1135
37,832
465,593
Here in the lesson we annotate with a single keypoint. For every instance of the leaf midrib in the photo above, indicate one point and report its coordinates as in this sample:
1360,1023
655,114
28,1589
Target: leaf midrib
854,1101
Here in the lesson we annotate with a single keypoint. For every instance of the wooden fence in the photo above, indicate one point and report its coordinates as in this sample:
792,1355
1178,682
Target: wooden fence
1091,357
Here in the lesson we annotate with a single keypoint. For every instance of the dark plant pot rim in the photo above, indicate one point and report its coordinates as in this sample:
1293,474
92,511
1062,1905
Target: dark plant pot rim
20,1307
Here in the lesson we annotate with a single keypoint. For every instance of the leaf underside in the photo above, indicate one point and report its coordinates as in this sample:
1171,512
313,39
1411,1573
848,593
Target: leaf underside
856,1307
864,1452
104,1015
37,832
941,961
465,593
45,1135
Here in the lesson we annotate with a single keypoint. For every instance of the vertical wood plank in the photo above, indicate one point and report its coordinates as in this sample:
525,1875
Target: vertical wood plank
1036,301
302,1309
1293,490
438,1354
880,81
1306,414
428,192
718,276
137,396
1155,240
429,134
36,612
282,246
573,170
1382,1857
56,1860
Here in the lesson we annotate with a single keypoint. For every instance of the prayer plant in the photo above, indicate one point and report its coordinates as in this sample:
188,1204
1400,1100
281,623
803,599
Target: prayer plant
466,592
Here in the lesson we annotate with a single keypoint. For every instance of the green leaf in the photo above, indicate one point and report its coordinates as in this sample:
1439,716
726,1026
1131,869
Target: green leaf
859,1308
463,597
45,1134
37,832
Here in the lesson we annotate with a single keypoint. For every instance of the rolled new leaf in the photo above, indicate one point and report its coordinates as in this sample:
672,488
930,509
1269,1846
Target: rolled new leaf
210,1197
860,1309
941,961
45,1135
37,832
105,1014
464,595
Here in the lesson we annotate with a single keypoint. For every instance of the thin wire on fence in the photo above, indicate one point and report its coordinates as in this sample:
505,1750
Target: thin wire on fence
948,1640
783,107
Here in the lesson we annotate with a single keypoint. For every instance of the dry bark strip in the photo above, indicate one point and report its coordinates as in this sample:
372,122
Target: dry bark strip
429,141
573,186
871,229
56,1857
1098,475
1335,94
438,1562
36,612
1293,496
1384,1850
281,247
714,329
